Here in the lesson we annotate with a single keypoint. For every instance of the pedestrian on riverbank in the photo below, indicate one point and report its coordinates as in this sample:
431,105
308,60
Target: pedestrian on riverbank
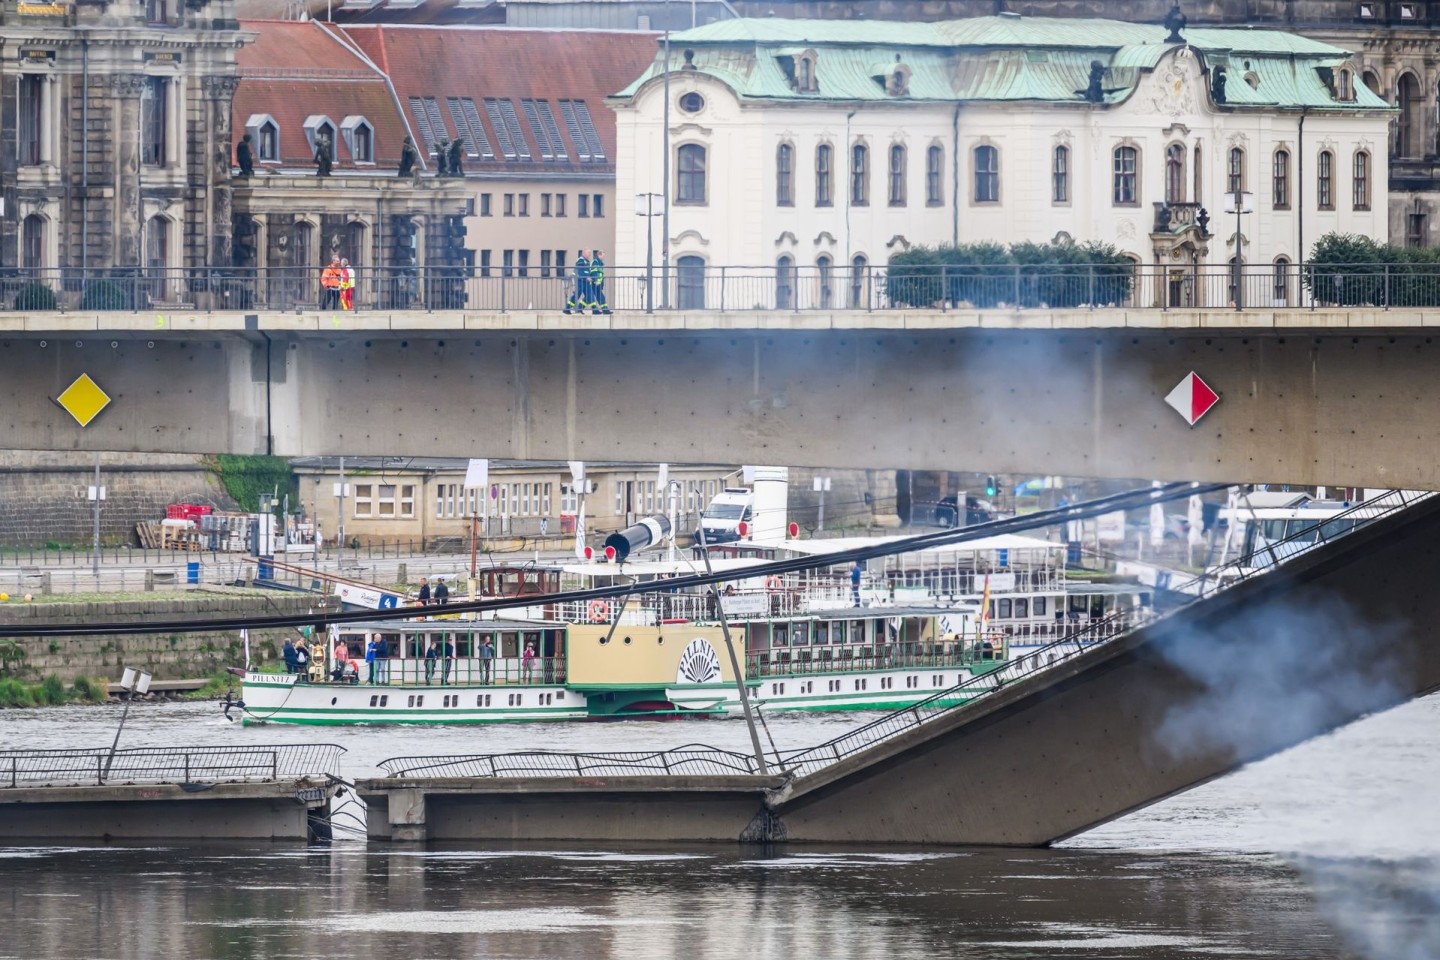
431,654
442,592
487,657
287,652
370,660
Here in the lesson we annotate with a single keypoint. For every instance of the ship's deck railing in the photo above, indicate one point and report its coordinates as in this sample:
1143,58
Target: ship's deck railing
810,760
208,764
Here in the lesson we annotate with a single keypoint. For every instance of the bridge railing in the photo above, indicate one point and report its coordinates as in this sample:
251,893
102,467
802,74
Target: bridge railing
729,288
691,760
1090,636
205,764
697,758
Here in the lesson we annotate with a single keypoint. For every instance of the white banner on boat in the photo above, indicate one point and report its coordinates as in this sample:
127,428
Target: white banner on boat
1002,582
366,597
746,604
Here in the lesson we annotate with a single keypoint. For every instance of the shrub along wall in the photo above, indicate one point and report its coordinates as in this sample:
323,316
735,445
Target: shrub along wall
166,655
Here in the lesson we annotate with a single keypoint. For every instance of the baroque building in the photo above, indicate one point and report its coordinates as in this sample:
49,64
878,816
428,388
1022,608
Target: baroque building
816,149
115,120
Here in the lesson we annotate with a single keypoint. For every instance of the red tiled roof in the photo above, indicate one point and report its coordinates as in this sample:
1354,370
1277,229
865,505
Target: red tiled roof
508,63
296,70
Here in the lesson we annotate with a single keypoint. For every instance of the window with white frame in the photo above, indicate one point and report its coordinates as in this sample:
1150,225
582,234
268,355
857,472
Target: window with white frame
364,502
406,507
385,501
359,137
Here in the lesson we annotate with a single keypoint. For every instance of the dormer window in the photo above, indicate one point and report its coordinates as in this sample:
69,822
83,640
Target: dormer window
265,133
1345,85
805,79
359,137
317,126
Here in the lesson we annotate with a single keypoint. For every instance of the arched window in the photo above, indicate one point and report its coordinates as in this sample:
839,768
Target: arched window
1197,170
1235,171
1407,126
302,253
987,174
859,281
1361,198
690,283
859,175
32,244
355,246
1280,290
785,283
934,165
157,255
824,190
1344,85
267,149
690,174
1125,188
1060,175
785,175
1325,181
897,175
1175,173
1372,80
825,267
1280,180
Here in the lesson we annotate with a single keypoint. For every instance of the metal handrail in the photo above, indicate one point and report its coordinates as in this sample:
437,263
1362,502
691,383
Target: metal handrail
691,759
810,760
731,288
181,764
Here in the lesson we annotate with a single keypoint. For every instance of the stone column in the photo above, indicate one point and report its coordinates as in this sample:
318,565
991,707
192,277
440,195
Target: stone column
126,88
219,93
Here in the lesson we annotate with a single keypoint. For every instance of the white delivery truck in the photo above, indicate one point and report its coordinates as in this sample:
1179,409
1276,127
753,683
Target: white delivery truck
762,509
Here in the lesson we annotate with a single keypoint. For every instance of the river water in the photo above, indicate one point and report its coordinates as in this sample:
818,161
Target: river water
1331,850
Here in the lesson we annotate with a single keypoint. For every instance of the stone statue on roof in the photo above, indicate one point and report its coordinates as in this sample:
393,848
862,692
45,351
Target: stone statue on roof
1217,83
457,161
324,157
409,157
441,150
1175,20
1094,92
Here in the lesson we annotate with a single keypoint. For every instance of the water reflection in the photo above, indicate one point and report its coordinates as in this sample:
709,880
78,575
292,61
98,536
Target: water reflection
453,902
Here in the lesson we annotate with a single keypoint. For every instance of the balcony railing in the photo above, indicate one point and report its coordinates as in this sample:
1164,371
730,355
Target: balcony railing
734,289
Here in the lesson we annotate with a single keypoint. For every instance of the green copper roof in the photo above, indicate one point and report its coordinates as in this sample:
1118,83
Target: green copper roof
1001,58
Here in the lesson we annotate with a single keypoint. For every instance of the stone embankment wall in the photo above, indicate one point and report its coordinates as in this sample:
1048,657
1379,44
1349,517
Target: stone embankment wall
167,655
44,495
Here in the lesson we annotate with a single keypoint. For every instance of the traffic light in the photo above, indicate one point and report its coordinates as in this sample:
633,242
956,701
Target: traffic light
990,487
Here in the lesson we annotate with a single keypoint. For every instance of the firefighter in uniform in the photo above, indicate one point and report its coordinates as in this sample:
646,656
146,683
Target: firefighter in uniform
597,284
580,297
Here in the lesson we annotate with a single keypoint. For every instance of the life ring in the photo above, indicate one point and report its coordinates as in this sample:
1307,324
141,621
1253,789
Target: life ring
599,611
773,584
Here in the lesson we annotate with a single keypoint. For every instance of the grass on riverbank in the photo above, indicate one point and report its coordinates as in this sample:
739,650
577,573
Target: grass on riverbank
51,692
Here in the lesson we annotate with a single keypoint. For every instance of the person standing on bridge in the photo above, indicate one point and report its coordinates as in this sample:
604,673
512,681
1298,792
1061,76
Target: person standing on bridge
442,592
347,285
597,284
424,596
330,285
580,298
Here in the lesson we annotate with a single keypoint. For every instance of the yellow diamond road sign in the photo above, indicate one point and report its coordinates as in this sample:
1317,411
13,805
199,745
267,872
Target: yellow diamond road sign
84,399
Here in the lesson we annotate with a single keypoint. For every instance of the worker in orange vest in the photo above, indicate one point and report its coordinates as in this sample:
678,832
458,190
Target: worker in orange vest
330,279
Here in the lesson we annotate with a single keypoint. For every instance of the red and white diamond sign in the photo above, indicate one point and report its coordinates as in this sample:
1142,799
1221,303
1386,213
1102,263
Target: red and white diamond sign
1192,398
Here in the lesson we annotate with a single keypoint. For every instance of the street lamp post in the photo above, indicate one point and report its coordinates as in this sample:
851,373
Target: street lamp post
645,207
